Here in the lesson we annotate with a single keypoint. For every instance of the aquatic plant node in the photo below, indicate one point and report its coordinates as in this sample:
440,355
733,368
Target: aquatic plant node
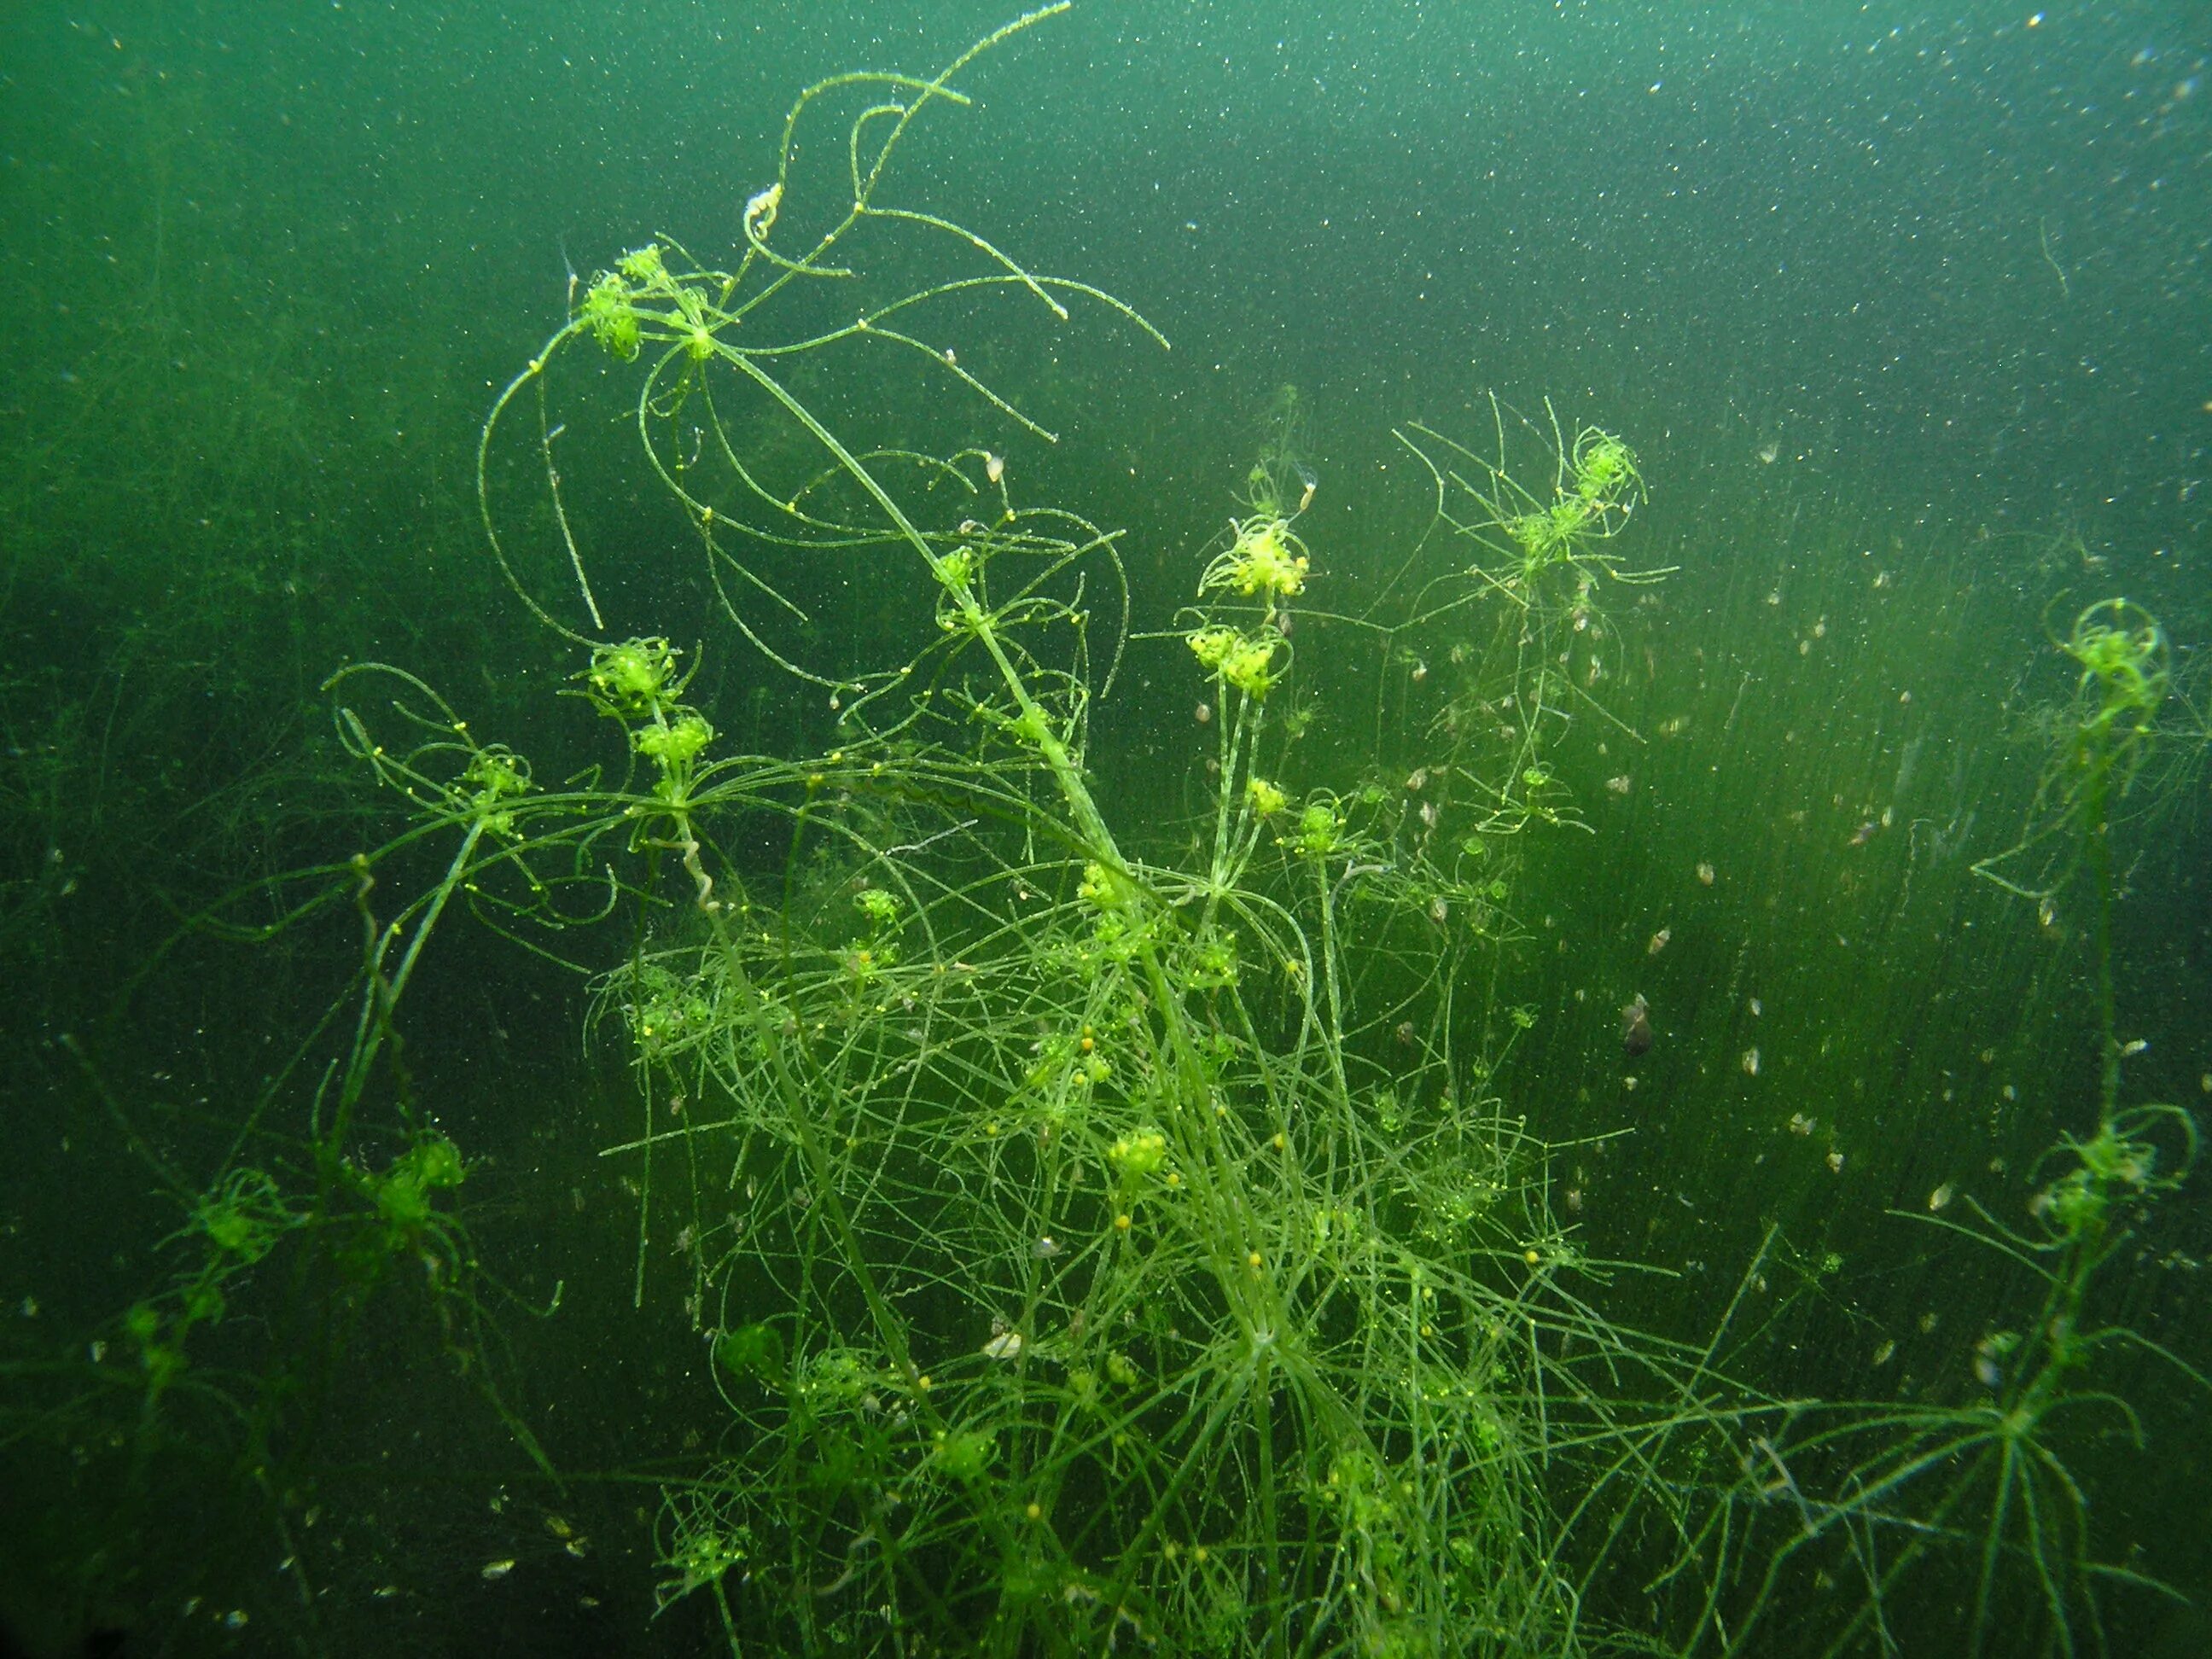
2108,736
1265,558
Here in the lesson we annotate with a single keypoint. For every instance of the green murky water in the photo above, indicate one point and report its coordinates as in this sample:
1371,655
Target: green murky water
1192,830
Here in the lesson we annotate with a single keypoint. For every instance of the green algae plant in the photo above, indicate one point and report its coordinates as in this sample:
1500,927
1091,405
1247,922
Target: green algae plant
1103,1270
1523,624
698,328
1995,1480
328,1230
1070,1178
2101,745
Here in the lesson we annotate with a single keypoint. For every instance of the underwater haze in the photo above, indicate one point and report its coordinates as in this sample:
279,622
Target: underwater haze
1157,826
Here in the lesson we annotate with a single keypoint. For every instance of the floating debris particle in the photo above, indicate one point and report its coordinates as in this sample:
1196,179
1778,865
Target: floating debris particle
1620,786
1636,1028
1801,1125
1006,1345
1989,1355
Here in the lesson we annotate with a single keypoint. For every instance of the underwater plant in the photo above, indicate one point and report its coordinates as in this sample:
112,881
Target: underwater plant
2120,717
1521,624
1126,1251
1282,481
327,1233
717,346
1892,1497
